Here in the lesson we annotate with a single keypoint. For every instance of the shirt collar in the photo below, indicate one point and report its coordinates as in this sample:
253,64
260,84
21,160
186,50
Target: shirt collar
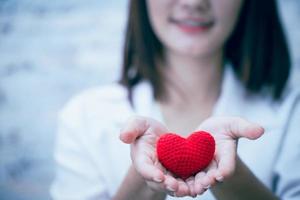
228,102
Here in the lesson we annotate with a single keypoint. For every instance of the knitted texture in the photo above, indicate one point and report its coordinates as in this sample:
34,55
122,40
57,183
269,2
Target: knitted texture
184,157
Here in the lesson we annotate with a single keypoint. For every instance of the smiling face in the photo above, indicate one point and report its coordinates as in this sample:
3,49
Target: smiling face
197,28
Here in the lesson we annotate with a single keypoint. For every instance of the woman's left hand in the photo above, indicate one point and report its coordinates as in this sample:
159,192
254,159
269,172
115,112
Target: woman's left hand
226,132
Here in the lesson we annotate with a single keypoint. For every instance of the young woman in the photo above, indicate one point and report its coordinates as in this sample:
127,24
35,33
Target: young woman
188,64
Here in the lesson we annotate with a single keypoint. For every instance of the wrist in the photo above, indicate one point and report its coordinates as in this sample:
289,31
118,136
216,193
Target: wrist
242,184
148,191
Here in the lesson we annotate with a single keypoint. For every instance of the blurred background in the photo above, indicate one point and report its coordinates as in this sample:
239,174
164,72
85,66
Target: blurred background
49,51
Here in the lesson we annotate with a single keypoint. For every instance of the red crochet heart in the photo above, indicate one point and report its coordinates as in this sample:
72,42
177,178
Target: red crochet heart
185,157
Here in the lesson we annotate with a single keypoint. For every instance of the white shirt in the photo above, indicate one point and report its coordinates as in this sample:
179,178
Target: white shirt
92,161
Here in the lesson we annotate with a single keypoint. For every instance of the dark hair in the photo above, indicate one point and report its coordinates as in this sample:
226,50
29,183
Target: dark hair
257,49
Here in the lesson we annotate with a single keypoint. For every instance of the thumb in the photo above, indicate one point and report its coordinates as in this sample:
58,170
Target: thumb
240,127
235,127
135,127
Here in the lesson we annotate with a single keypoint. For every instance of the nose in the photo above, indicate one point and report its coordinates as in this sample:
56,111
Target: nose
194,5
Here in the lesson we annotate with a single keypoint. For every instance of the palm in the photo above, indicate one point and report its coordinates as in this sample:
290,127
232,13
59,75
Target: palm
144,149
226,132
143,134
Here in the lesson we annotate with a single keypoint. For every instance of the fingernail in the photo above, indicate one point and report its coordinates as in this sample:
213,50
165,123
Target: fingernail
220,179
173,194
206,187
157,179
170,189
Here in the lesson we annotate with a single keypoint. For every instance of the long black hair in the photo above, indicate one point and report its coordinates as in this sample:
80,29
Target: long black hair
257,49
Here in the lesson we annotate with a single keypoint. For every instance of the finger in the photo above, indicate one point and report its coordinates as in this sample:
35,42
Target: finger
212,166
209,179
191,184
157,186
199,188
226,161
236,127
135,127
204,180
151,173
240,127
146,168
138,126
162,168
183,189
211,173
171,184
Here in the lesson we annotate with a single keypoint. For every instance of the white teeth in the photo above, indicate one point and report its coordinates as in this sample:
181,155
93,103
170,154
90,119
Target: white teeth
193,23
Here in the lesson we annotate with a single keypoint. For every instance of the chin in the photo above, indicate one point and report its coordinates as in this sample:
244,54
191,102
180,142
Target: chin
196,51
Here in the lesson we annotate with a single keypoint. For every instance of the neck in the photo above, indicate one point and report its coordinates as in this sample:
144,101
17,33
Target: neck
192,79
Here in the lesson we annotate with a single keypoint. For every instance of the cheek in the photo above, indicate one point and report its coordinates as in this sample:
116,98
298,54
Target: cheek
226,13
158,15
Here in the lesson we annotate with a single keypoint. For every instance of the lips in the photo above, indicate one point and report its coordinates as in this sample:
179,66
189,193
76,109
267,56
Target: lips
192,25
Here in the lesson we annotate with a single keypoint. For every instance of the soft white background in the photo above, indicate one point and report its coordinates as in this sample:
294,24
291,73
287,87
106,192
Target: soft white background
49,51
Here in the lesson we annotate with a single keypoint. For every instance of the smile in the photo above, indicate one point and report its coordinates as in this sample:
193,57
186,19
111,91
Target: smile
192,26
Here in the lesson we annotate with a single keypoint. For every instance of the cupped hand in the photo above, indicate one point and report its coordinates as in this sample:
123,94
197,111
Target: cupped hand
226,132
142,134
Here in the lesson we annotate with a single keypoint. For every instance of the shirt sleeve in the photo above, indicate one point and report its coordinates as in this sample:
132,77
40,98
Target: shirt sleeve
77,176
287,173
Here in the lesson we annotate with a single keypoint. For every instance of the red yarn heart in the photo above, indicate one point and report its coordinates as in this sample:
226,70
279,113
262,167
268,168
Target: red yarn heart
185,157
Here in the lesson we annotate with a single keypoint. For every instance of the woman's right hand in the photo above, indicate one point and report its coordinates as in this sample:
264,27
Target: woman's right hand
142,134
